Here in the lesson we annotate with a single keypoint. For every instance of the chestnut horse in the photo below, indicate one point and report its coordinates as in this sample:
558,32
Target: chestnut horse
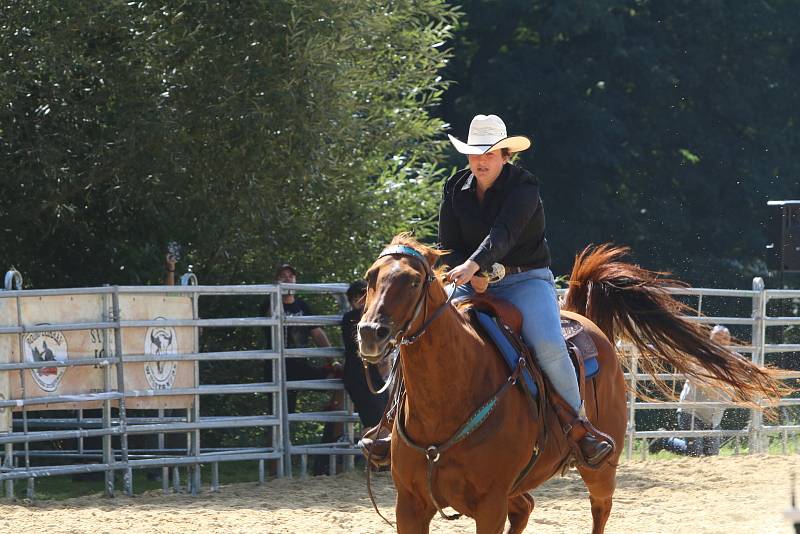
451,370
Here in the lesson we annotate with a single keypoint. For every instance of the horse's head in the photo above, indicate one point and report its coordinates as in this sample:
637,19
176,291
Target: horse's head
396,287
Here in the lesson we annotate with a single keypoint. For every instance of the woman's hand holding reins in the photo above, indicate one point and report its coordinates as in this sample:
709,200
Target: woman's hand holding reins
465,273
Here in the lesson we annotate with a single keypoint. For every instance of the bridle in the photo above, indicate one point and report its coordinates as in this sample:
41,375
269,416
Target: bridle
401,338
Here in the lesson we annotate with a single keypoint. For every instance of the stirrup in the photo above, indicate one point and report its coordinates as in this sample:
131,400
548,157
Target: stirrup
376,446
578,429
602,449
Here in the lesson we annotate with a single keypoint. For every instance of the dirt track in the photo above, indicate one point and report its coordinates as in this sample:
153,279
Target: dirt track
731,495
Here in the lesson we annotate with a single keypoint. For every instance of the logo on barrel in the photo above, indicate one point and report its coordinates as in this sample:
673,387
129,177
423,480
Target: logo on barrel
160,341
46,347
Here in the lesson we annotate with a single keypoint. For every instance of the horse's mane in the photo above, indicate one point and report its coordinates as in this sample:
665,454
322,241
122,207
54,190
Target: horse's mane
431,254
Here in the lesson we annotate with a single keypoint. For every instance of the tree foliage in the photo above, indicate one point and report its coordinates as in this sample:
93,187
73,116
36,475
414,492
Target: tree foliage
252,132
301,130
665,126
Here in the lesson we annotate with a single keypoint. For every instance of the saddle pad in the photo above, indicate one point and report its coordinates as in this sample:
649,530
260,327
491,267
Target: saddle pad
592,367
511,356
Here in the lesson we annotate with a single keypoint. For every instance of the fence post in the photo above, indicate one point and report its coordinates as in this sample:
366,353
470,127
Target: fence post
127,477
348,406
757,357
108,444
30,484
280,376
634,369
194,412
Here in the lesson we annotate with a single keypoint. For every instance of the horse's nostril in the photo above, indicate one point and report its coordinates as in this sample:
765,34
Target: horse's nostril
383,332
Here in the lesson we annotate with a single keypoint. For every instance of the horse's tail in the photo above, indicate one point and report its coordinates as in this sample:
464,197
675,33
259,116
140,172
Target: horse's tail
632,302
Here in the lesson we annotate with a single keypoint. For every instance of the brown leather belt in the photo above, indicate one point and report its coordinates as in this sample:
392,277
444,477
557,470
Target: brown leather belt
519,268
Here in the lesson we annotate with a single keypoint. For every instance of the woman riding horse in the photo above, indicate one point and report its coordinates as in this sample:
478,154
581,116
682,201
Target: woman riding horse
491,212
467,436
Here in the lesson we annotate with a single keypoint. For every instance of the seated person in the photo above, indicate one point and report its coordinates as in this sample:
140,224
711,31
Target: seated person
698,418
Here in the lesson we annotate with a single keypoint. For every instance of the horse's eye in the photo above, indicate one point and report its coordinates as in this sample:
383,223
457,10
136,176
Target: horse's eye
415,284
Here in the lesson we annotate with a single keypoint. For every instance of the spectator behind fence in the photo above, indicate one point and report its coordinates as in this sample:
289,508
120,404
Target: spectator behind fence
369,406
302,368
172,258
298,337
702,417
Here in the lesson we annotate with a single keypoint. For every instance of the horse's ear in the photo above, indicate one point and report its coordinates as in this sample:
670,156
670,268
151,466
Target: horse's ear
432,256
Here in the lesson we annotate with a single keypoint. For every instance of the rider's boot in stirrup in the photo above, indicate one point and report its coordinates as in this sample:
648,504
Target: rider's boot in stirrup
376,445
591,447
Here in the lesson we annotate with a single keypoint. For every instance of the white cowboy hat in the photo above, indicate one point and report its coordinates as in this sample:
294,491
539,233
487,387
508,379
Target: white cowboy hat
488,133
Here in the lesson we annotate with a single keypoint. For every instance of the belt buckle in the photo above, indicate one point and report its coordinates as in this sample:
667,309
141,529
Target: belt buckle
497,273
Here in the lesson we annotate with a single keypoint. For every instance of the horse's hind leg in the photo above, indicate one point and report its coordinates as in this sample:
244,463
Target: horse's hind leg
519,510
601,484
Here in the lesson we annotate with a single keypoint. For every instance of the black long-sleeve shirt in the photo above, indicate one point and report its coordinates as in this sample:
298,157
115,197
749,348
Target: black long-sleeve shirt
507,227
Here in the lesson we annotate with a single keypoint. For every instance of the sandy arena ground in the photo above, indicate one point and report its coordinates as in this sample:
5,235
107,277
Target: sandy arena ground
730,495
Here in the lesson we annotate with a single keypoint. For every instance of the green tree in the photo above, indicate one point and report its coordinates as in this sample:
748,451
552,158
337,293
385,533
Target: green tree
251,132
665,126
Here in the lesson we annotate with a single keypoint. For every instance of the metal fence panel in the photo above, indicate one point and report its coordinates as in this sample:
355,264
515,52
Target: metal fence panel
123,355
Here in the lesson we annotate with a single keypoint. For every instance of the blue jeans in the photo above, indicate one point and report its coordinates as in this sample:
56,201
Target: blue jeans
534,293
708,446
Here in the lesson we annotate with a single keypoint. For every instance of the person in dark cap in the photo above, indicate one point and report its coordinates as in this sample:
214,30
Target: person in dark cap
303,368
299,336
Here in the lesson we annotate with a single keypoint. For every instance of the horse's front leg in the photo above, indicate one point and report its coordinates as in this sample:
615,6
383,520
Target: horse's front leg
519,510
413,514
490,516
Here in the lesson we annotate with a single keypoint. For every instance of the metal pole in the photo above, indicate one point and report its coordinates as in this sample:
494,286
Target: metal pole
634,369
349,427
79,420
781,270
162,446
280,375
123,420
29,488
195,409
176,479
108,447
757,357
349,431
278,401
8,463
